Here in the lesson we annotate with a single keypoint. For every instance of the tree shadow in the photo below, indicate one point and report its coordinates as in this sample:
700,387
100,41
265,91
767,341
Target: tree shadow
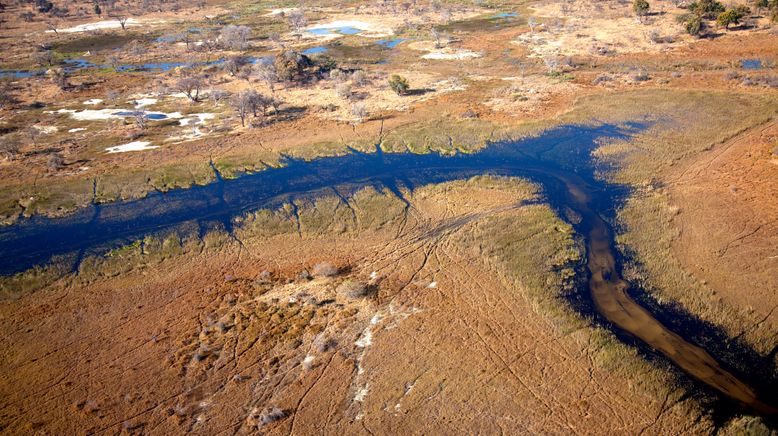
419,91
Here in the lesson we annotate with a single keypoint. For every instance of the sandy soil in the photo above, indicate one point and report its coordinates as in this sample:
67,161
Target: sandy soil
728,221
210,343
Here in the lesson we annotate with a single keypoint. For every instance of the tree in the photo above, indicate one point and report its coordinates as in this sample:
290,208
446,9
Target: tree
297,20
248,101
732,16
641,8
60,78
98,11
359,111
291,65
55,162
694,25
234,64
7,98
531,22
114,62
122,21
707,8
399,84
140,119
191,87
9,147
234,37
266,72
44,58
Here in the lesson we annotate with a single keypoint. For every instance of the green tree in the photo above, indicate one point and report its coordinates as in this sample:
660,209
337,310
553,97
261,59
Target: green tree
732,16
694,25
707,8
641,8
399,84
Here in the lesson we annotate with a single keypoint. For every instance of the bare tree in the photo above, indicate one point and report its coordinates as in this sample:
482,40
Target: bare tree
140,119
114,62
437,37
44,58
7,98
297,20
122,21
266,72
55,162
343,90
359,111
247,102
531,22
9,147
190,86
60,78
233,64
552,63
52,26
234,37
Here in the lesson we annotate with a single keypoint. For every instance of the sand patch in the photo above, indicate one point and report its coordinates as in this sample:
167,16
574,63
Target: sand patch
132,146
443,53
104,25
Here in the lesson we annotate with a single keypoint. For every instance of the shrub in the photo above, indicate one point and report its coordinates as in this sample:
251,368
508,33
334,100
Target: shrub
352,289
399,84
343,90
732,16
707,8
359,111
271,415
641,8
359,78
324,269
694,25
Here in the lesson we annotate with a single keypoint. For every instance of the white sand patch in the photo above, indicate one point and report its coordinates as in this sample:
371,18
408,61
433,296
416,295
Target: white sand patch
443,53
279,11
433,285
78,129
93,101
196,119
104,25
362,393
143,102
366,29
132,146
452,54
366,339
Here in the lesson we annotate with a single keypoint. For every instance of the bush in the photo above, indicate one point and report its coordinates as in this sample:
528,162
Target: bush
352,289
694,25
359,78
707,8
399,84
641,8
271,415
343,90
324,269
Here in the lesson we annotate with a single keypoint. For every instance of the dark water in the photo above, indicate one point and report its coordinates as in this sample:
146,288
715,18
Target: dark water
559,160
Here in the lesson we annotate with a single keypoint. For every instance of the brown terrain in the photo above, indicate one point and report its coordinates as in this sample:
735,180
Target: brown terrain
361,314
